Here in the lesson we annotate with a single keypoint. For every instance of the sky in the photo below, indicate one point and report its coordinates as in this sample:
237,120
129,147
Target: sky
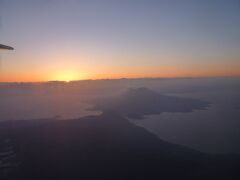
95,39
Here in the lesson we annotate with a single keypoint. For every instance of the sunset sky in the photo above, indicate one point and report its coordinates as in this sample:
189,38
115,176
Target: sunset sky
93,39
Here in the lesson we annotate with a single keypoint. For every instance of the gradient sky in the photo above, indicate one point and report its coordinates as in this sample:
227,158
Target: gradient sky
82,39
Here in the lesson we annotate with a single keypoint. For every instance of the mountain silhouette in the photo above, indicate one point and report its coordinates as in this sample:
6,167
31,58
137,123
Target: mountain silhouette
135,103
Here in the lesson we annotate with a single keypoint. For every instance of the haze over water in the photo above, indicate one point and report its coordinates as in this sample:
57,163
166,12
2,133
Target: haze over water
215,129
119,89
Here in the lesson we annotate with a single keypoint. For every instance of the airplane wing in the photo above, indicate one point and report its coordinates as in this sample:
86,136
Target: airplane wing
6,47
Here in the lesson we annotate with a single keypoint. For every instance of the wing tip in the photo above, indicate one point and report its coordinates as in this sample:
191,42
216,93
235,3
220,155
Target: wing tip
6,47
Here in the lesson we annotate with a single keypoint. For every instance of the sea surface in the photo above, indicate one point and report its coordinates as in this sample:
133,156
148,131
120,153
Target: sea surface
214,130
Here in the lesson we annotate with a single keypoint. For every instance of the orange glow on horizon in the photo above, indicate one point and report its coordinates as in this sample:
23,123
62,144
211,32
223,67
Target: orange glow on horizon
67,76
112,73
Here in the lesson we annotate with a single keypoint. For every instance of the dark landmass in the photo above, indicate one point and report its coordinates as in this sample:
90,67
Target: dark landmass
107,146
135,103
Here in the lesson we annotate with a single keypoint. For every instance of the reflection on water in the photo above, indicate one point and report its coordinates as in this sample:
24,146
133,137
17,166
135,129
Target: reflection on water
216,129
38,107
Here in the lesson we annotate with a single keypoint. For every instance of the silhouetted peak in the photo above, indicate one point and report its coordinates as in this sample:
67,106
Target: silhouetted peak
142,91
137,102
110,114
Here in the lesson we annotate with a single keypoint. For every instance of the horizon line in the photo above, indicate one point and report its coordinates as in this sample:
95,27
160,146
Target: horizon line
122,78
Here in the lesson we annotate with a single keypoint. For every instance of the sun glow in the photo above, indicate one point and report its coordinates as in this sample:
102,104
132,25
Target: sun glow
68,76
